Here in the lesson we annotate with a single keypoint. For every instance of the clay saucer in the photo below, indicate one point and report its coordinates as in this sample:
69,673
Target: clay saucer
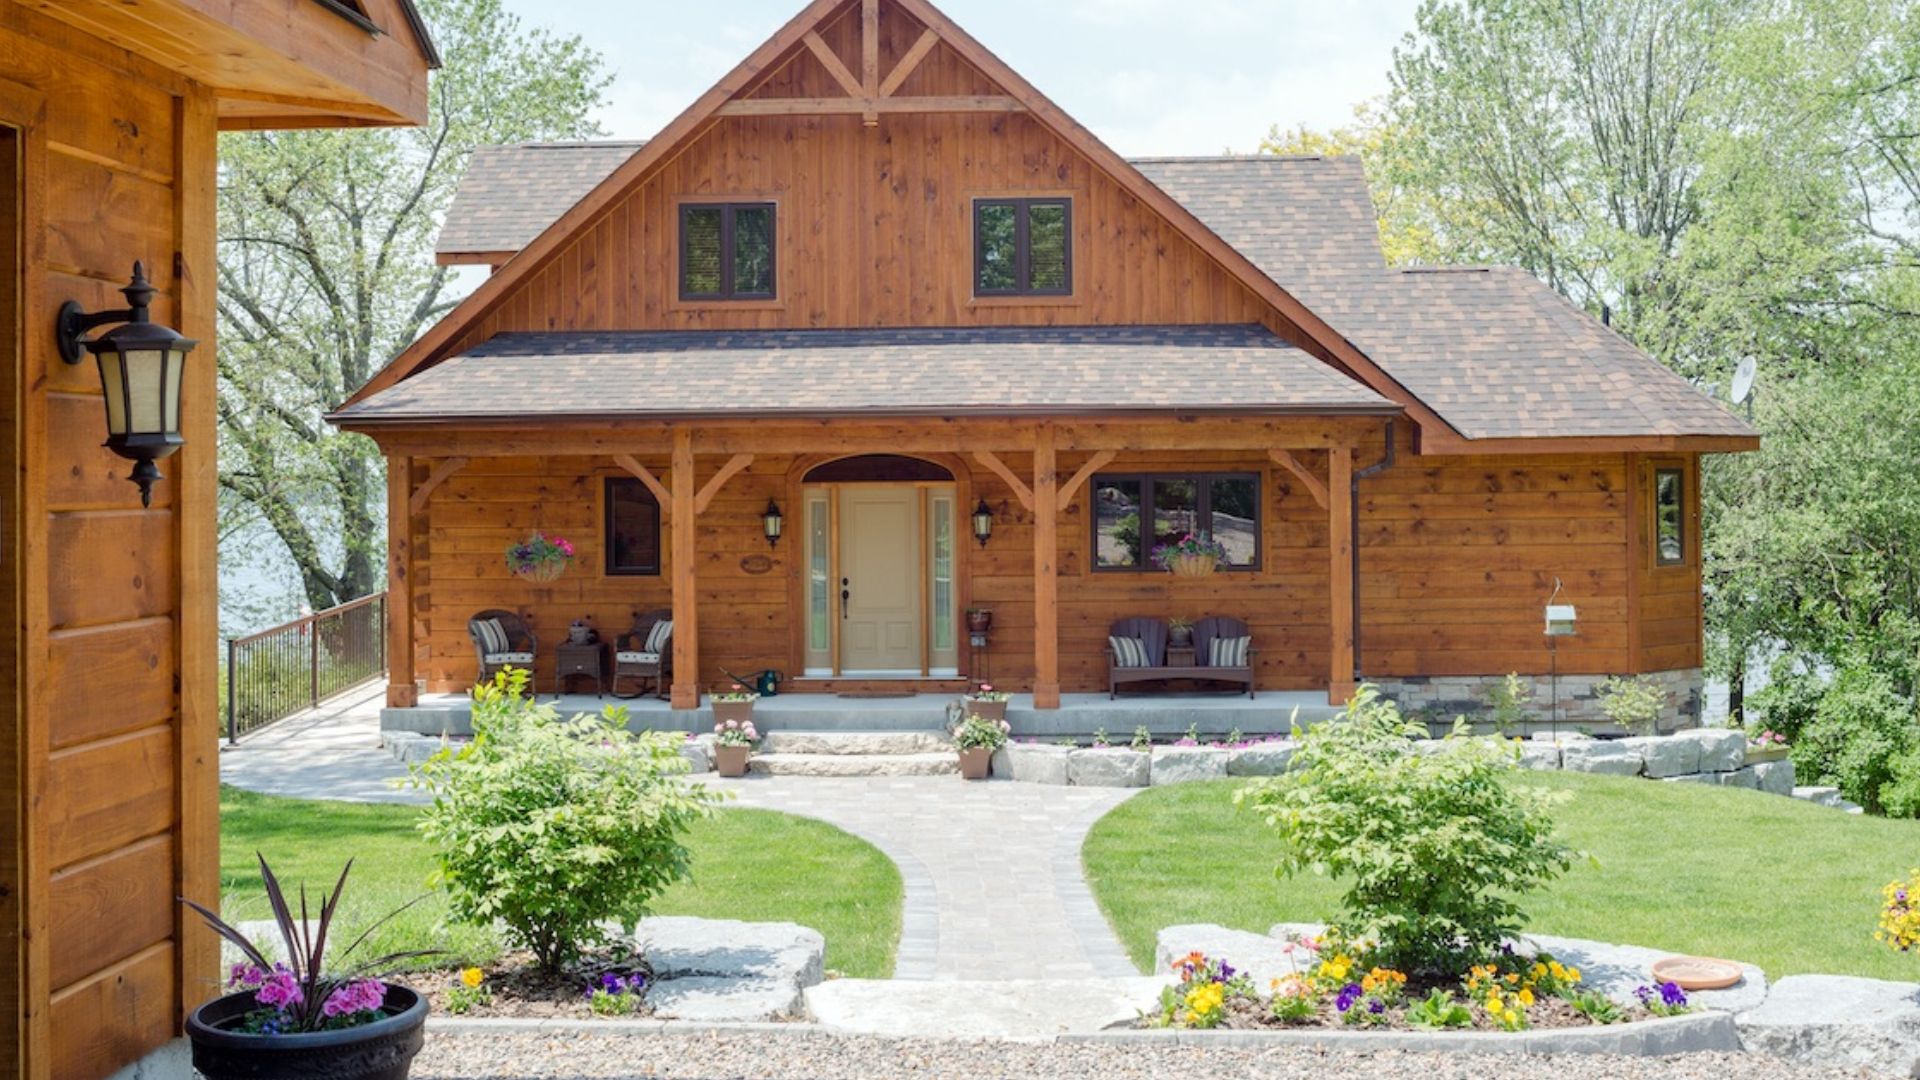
1697,973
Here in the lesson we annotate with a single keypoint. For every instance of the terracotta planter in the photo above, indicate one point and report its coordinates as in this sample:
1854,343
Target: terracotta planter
382,1050
1180,637
1193,566
976,764
1762,754
731,761
542,573
724,711
986,710
979,622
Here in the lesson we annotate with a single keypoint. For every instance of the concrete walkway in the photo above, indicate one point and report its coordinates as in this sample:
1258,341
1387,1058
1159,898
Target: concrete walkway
994,889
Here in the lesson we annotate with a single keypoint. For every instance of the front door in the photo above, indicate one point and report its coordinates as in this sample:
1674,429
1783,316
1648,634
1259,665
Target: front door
880,572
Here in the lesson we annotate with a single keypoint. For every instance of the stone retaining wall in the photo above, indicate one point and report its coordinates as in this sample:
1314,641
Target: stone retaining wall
1439,699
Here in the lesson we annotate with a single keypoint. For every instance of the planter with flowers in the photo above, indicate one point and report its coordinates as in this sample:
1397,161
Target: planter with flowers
734,741
987,703
977,738
540,558
1767,746
1190,557
736,703
302,1020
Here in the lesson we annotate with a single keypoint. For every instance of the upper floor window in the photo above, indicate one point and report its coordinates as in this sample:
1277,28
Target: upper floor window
1670,516
633,529
1023,247
726,251
1132,515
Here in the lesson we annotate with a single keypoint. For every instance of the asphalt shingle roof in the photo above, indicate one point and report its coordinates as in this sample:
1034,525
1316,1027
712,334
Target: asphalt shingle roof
990,370
1493,351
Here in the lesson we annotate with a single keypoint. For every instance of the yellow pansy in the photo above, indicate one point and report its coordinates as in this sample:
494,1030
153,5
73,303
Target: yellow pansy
472,978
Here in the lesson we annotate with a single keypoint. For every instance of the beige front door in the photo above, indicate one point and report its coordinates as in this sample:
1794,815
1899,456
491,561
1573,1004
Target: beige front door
880,578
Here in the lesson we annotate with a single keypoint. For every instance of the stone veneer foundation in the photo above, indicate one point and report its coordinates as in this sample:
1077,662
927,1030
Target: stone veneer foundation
1439,699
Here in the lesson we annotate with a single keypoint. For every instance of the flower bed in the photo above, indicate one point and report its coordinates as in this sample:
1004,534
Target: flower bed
602,985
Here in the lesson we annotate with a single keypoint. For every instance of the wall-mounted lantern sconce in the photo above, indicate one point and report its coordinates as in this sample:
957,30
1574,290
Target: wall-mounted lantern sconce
773,522
140,367
983,523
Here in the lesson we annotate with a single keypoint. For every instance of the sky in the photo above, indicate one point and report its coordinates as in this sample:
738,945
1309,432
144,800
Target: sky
1150,77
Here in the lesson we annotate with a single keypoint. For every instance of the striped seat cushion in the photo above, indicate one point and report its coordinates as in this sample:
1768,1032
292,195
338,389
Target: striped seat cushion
492,636
516,658
1231,651
1128,651
638,658
658,637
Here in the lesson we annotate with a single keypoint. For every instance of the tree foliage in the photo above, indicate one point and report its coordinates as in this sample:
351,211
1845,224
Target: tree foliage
327,271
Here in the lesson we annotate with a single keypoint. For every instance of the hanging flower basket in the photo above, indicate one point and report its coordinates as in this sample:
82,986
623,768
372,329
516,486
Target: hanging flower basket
1190,557
540,559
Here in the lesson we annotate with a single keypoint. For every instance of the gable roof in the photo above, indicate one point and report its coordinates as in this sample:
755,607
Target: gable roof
1000,371
510,194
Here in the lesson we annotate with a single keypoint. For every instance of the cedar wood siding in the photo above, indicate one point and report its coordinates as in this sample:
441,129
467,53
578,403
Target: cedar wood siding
115,727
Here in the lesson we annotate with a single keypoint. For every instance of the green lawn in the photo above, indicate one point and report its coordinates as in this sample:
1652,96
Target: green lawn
748,864
1791,887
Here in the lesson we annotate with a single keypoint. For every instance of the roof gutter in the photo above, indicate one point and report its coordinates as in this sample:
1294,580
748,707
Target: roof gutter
353,419
1385,463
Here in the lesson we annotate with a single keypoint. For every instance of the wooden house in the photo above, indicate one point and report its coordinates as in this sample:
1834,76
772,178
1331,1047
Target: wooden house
874,283
109,115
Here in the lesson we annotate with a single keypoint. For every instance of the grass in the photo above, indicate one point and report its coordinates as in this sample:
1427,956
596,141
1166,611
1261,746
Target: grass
1772,881
755,865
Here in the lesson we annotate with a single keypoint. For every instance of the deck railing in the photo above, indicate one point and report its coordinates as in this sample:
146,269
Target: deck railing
276,673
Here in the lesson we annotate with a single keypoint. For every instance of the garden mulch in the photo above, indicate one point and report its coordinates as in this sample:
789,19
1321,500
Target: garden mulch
520,990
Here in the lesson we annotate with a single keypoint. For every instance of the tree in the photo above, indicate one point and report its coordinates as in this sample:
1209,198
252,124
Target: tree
326,271
1405,210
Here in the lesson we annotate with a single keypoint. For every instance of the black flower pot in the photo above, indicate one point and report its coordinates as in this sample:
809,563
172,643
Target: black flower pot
382,1050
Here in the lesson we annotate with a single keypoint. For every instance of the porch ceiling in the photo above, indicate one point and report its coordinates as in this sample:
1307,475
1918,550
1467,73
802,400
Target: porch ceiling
987,371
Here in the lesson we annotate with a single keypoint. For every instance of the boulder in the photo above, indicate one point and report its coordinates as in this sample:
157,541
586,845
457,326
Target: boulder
1262,957
1034,763
1833,1020
1819,796
1775,777
1664,757
699,756
1693,778
1721,749
1600,756
1561,737
1264,759
1618,970
1740,778
1186,764
1540,756
680,947
710,999
1109,768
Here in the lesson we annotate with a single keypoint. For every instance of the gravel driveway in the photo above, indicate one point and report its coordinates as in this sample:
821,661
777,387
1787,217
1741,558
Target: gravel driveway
824,1057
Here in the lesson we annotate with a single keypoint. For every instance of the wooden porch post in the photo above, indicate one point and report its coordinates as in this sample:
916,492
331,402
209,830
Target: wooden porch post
1046,579
402,691
686,611
1340,543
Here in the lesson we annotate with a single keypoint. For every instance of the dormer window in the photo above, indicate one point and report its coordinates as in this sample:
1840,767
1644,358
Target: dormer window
1023,247
727,251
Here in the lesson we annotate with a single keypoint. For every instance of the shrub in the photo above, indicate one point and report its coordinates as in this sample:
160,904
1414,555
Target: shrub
1436,849
1861,734
1634,704
554,827
1509,699
1791,699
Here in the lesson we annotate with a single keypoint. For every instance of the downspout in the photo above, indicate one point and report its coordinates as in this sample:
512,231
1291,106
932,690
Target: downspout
1370,471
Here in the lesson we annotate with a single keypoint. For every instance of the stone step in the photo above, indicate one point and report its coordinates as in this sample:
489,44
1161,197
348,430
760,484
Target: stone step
943,764
856,742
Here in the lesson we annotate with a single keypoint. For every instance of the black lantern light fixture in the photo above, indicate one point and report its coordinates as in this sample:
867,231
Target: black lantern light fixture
773,522
140,367
983,523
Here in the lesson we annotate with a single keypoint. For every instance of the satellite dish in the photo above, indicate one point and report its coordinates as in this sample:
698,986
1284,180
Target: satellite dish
1743,379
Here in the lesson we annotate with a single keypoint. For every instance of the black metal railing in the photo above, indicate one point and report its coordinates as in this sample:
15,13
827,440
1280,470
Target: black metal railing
276,673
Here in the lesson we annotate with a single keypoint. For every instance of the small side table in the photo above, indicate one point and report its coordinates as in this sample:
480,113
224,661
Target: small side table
582,662
1180,656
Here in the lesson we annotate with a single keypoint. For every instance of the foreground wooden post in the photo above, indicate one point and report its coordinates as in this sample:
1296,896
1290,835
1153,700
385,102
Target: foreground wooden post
686,613
1340,580
402,692
1046,580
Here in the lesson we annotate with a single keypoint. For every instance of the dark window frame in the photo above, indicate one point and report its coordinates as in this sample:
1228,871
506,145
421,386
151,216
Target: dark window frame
1022,245
1203,506
630,484
728,291
353,11
1679,474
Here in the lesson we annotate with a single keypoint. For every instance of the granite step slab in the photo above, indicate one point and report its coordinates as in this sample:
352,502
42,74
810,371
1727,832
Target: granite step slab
942,764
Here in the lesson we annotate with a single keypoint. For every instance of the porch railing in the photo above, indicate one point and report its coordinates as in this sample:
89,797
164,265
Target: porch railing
276,673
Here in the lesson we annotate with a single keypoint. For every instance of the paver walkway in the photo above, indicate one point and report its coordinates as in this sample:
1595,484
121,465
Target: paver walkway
992,872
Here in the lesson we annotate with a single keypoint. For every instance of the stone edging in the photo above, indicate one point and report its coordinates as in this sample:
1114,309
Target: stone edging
1698,1033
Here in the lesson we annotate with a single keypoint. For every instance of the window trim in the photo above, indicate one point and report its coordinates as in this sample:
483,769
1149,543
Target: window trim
1022,246
1203,487
607,530
728,209
1679,473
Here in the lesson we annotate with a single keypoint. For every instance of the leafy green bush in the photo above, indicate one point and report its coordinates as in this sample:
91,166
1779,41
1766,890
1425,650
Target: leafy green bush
1509,700
1790,701
1861,733
554,827
1633,703
1436,848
